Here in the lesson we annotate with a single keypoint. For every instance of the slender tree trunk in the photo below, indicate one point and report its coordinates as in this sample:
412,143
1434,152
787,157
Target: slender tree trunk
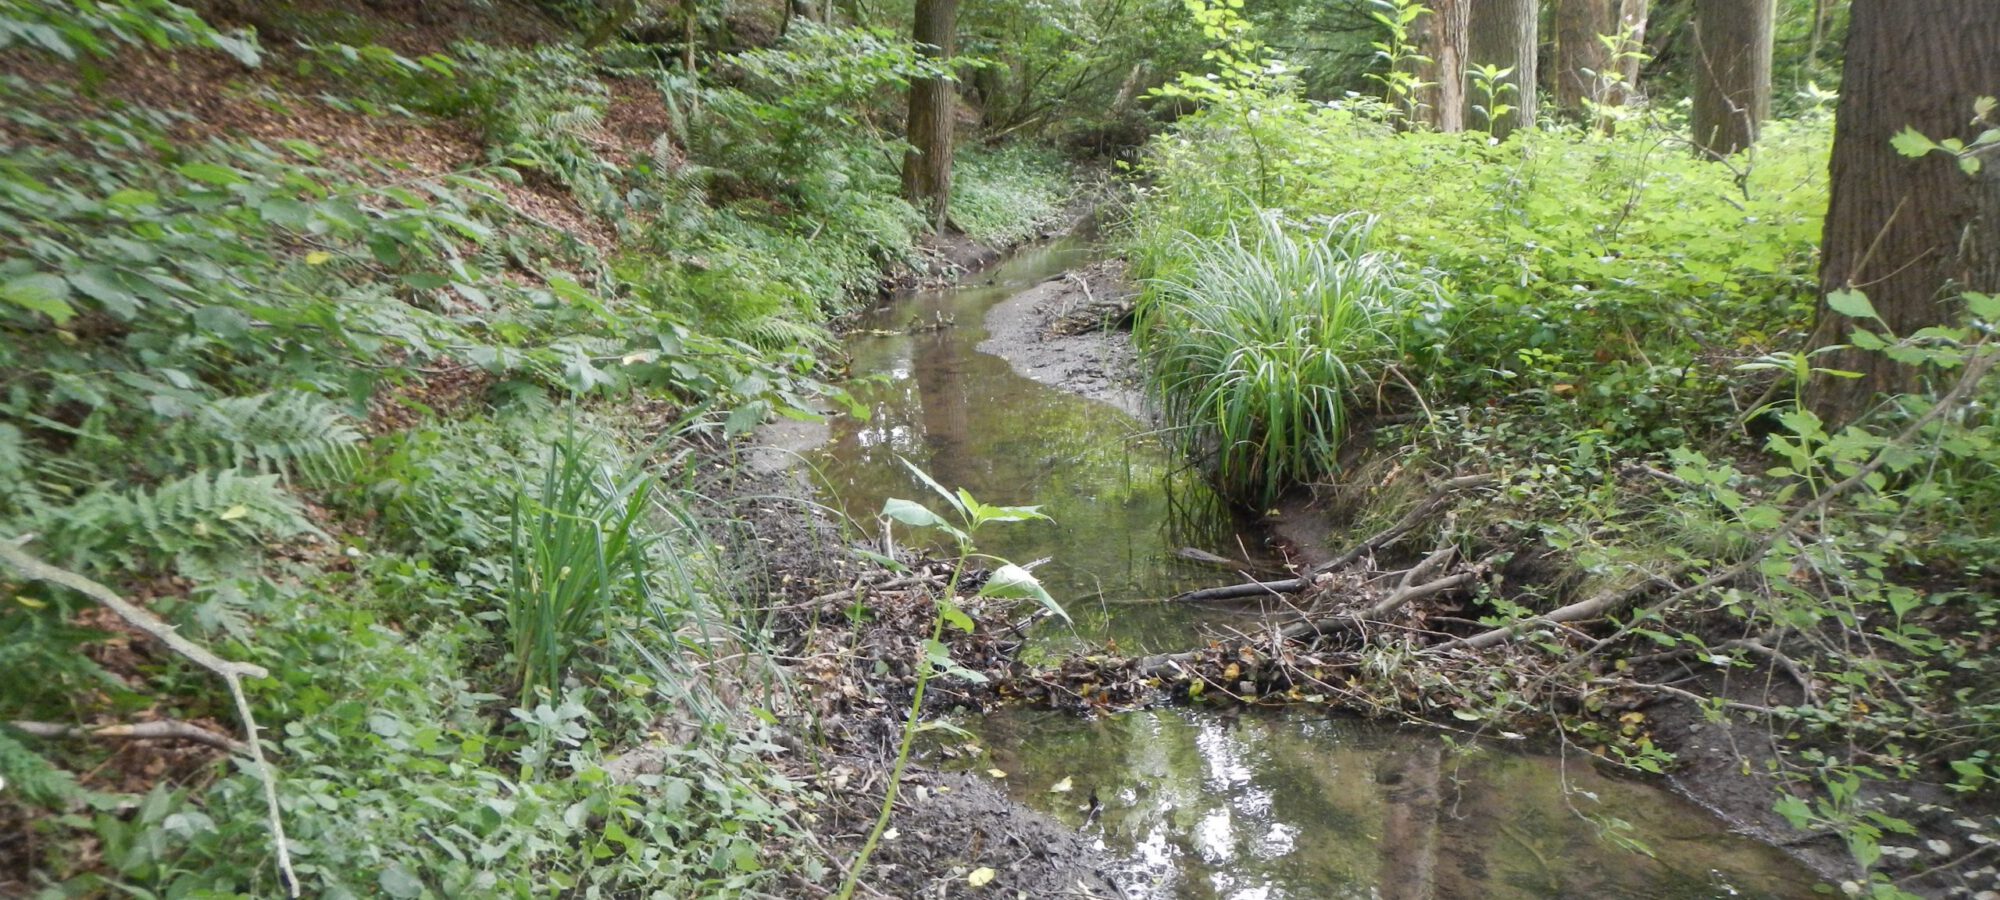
1632,16
927,164
1503,33
1909,233
1732,72
1442,38
1582,58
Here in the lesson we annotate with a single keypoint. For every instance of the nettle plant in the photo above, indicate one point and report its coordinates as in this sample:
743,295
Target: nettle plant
1007,581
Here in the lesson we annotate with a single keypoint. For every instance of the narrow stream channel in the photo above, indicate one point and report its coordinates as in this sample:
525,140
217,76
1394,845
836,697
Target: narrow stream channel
1225,804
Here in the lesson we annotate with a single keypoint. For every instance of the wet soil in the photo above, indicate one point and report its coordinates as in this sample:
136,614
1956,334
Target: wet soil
1067,332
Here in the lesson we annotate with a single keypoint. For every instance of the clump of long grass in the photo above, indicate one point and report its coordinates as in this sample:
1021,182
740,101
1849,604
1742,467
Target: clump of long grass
1260,342
580,555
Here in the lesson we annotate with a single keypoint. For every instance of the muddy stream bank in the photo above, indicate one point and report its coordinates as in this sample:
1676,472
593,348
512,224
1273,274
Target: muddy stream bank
991,386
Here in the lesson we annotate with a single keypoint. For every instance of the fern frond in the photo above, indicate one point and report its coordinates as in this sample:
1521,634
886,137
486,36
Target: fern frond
779,333
201,517
33,778
292,434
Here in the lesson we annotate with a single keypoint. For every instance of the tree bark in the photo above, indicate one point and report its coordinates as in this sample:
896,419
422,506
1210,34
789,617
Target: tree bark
1732,72
1632,17
927,164
1441,37
1909,233
1503,33
1582,59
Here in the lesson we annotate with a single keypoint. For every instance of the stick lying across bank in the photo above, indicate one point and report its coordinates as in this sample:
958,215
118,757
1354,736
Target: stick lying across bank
1416,516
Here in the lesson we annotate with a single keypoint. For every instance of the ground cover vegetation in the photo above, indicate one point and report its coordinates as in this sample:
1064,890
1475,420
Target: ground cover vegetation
364,365
1611,338
367,358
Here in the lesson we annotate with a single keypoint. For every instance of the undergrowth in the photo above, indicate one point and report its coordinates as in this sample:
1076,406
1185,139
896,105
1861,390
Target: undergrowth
393,435
1617,341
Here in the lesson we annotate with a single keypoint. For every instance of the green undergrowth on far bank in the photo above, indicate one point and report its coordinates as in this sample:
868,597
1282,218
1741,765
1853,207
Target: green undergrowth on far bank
1616,330
373,370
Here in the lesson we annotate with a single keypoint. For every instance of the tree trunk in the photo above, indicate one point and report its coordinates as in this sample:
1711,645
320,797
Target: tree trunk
1732,72
927,164
1441,37
1632,16
1582,58
1910,233
1503,33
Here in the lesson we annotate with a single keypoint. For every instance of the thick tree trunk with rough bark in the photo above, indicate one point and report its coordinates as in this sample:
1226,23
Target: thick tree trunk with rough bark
1503,33
1909,233
1441,37
927,165
1732,72
1582,59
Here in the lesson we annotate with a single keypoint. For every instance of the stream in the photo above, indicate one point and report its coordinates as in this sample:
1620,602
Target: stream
1207,803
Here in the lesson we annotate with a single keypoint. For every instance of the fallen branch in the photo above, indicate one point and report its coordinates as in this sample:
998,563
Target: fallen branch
1372,543
138,731
232,674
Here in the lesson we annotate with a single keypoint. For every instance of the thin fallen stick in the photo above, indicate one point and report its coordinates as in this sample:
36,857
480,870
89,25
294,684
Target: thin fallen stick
167,730
232,674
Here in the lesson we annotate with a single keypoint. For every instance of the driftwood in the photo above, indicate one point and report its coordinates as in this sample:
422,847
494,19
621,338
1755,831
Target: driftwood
1410,520
1412,584
232,674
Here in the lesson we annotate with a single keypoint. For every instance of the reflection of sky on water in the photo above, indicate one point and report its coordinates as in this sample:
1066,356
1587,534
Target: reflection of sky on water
1120,504
1205,805
1196,804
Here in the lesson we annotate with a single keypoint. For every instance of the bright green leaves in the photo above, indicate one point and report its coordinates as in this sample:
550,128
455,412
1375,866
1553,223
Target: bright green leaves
1011,582
210,174
1008,581
1912,143
39,292
1852,303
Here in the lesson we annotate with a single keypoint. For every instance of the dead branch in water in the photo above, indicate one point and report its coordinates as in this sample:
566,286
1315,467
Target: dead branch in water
1410,520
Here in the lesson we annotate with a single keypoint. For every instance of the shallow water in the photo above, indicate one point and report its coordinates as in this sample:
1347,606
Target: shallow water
1197,803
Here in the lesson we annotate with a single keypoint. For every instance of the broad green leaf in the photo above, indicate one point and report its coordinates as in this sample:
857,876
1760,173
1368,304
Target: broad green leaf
1985,306
912,513
1912,143
40,292
102,284
954,616
1852,304
1011,582
208,173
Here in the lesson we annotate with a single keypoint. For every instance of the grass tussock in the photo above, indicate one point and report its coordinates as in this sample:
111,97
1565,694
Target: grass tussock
1262,344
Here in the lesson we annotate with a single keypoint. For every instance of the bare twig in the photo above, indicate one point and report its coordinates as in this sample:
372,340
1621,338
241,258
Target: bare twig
137,731
232,674
1372,543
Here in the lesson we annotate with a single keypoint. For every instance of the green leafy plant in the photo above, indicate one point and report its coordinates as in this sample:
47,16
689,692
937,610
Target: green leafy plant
579,556
1005,582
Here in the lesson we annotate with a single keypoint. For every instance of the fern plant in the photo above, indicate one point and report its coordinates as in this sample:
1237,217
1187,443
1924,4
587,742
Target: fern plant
193,521
294,435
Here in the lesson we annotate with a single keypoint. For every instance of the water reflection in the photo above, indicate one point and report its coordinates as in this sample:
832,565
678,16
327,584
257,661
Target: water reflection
1121,504
1198,804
